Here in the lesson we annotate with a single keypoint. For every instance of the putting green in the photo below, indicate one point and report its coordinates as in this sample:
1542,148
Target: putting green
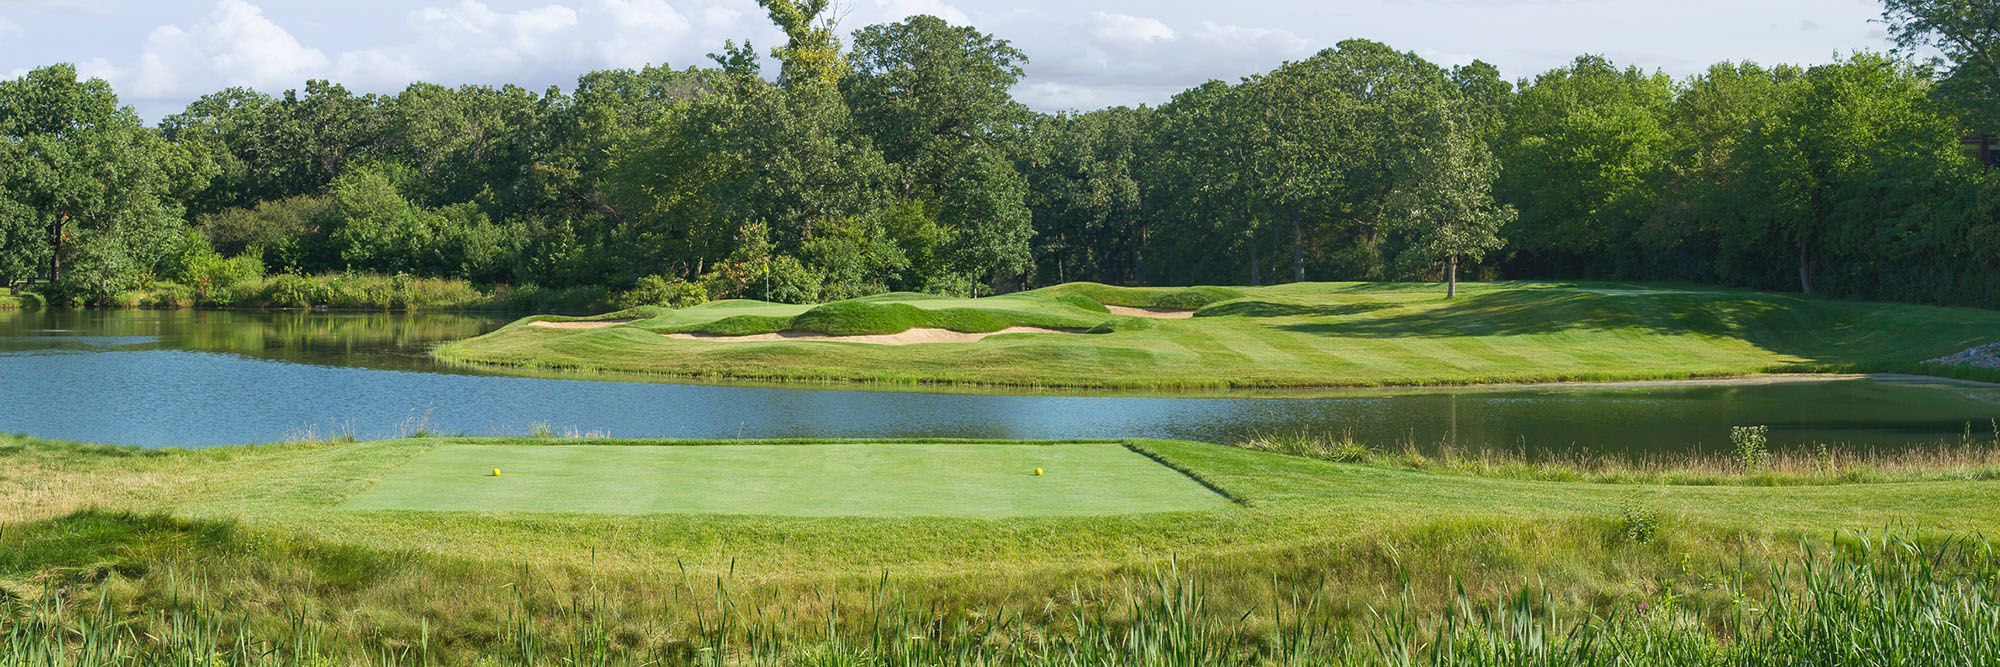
960,480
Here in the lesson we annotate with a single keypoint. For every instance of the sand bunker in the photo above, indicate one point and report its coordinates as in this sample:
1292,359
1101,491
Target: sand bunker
911,337
1155,313
589,324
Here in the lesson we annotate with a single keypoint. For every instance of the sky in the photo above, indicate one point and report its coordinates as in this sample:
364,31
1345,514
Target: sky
161,54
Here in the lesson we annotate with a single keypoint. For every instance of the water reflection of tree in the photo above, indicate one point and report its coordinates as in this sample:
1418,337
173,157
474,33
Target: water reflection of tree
373,339
364,338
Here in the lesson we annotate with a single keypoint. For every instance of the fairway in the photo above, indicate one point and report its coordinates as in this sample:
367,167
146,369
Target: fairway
874,480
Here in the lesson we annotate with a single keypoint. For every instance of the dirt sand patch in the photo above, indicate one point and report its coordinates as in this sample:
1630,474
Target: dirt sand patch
1155,313
911,337
588,324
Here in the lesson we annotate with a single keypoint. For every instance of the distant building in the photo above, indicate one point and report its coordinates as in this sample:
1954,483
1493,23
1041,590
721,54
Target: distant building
1983,148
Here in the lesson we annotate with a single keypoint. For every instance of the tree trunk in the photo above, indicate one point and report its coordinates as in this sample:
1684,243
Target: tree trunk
1139,255
1298,247
1805,269
55,253
1451,276
1256,277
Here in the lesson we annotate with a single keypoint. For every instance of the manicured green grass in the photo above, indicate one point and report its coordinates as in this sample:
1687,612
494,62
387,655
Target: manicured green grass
963,480
1288,336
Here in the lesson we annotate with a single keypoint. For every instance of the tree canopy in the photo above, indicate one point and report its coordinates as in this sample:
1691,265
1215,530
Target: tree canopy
903,161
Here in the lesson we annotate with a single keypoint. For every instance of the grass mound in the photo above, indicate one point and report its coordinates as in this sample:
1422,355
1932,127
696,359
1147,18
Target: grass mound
892,313
1173,298
1268,308
855,318
638,313
738,325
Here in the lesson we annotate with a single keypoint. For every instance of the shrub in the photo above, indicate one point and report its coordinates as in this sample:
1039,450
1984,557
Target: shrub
660,291
275,224
210,277
99,268
290,291
1751,449
30,300
536,299
1640,524
169,295
782,279
124,299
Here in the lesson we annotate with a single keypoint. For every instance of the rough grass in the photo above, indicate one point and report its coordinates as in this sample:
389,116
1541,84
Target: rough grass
1288,336
262,531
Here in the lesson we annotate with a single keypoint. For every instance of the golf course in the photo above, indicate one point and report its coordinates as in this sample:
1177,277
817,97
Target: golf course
1302,335
816,333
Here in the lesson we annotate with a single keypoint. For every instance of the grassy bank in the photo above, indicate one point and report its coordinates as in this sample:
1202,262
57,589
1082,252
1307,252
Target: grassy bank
1288,336
1316,558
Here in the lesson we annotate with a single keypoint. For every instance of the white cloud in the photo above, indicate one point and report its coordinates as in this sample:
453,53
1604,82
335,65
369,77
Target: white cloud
234,45
1122,59
1079,58
1127,30
9,27
636,32
897,10
718,16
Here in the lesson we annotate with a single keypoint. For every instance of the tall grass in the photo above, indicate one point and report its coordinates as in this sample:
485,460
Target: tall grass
1968,458
1854,601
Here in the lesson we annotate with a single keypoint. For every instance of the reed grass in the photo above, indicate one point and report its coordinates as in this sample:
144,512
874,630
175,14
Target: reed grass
1855,600
1967,458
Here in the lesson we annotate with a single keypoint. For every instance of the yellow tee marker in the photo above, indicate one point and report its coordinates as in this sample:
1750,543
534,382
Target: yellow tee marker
1038,472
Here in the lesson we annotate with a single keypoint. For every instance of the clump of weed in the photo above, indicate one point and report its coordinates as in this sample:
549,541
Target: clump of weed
1751,443
1639,523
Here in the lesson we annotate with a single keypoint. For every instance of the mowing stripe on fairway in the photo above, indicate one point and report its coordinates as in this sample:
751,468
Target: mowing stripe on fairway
878,480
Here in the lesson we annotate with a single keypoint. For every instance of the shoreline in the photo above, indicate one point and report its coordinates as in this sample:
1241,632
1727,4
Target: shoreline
1191,392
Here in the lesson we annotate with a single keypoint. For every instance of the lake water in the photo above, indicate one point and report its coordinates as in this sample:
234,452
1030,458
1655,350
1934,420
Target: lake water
204,378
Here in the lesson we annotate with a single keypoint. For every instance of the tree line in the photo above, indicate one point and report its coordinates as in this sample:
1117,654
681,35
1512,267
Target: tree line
900,161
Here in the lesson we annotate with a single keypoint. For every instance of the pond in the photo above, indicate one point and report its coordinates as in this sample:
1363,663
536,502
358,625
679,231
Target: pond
206,378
